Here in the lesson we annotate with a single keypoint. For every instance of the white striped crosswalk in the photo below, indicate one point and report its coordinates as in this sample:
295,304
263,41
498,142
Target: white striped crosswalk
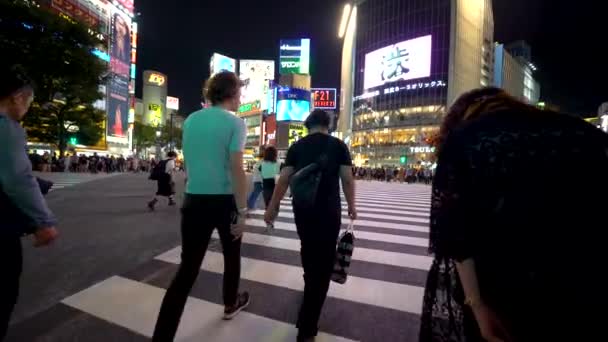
380,301
63,180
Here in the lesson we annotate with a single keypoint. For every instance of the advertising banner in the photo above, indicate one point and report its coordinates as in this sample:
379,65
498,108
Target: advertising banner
172,103
256,69
324,98
118,111
269,130
72,9
406,60
221,63
127,4
120,50
293,104
295,56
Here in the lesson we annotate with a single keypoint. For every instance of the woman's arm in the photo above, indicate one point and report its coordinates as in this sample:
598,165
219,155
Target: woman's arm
468,278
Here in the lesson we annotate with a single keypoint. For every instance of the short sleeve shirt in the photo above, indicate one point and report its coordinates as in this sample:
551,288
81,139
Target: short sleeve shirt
210,136
308,150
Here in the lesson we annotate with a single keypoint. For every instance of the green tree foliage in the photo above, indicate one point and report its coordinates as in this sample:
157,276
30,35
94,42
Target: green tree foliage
56,52
144,136
171,135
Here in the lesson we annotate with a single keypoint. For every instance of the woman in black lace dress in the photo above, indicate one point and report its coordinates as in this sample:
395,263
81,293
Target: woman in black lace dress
517,242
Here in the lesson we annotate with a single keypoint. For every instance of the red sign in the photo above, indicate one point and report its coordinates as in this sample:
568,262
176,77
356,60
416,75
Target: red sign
324,98
269,130
73,10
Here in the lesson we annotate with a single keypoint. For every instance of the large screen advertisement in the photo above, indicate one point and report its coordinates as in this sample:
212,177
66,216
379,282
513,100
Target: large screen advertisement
255,75
120,50
295,56
292,104
221,63
118,111
406,60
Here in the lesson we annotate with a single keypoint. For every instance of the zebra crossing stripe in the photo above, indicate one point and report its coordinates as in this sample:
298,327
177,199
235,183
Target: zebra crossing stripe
406,260
135,305
400,297
360,234
416,219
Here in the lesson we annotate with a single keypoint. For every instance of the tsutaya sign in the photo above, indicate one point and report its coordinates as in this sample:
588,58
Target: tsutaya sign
157,79
422,149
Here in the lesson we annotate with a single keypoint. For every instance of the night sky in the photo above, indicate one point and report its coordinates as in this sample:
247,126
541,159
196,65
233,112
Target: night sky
178,38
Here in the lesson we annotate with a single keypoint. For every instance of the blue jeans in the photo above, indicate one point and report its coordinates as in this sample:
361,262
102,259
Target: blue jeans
253,197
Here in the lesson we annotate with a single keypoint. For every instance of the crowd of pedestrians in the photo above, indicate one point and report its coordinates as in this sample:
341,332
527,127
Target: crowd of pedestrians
94,163
389,174
505,269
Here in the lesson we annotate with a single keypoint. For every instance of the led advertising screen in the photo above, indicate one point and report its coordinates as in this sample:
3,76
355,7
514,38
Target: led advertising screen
256,75
118,111
256,69
324,98
406,60
295,56
120,51
221,63
292,104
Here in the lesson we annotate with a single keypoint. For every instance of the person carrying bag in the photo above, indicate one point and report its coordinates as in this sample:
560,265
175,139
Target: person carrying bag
344,253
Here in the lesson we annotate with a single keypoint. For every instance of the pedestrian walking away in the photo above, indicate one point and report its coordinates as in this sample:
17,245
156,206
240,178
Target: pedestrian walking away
317,223
507,266
256,179
269,170
216,198
163,175
22,207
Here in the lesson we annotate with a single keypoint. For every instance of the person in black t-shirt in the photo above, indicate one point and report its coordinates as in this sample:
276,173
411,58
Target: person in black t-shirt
318,227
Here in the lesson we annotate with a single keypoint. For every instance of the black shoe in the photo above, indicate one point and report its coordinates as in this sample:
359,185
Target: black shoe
152,204
242,303
306,339
172,203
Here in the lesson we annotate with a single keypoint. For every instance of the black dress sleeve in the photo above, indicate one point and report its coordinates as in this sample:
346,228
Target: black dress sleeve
452,214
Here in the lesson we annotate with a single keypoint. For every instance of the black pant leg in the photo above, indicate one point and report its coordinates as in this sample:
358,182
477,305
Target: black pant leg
231,249
197,226
12,258
318,253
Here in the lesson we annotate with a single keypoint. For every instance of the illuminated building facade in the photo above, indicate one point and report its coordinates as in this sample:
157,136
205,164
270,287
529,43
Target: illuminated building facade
404,63
113,22
514,71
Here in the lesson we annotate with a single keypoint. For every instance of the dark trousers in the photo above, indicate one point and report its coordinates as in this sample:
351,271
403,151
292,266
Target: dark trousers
318,231
268,189
11,257
201,214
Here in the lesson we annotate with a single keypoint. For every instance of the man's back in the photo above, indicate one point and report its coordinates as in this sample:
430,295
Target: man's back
210,135
308,150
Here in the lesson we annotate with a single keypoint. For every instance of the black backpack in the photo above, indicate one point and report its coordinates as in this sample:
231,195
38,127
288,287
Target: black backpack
158,171
304,184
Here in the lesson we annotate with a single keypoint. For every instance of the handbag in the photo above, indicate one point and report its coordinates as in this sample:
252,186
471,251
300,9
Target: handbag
344,253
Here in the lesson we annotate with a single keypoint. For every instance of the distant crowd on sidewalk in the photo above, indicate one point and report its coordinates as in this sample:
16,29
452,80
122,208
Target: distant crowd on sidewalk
395,174
95,163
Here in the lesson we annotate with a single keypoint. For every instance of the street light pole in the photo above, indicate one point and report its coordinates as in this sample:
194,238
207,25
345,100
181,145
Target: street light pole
171,131
158,147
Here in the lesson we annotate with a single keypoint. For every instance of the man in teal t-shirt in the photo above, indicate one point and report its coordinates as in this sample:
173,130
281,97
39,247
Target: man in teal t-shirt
216,197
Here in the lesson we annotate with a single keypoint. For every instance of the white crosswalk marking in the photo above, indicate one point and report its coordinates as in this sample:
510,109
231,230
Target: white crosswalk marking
63,180
385,283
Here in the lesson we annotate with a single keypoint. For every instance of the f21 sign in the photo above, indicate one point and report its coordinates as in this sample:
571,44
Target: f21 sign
324,98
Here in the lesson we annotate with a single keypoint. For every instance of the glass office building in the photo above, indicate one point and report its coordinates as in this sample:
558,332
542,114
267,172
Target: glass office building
410,60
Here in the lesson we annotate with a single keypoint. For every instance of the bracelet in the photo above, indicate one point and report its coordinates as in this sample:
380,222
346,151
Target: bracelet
242,211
